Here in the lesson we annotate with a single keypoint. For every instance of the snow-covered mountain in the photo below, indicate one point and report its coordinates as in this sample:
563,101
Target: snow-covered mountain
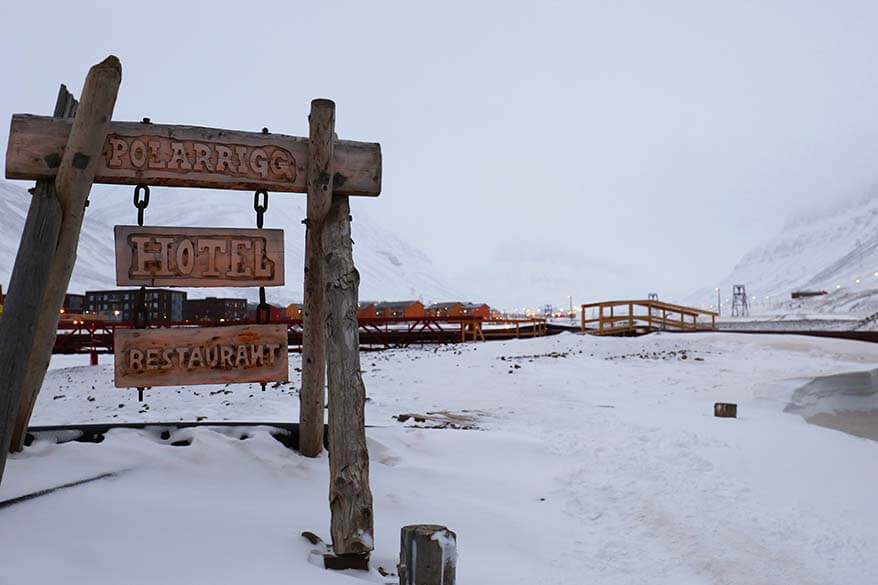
831,249
389,267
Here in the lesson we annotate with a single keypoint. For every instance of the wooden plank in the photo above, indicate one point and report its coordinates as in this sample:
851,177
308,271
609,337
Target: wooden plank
350,497
194,257
312,395
191,156
200,355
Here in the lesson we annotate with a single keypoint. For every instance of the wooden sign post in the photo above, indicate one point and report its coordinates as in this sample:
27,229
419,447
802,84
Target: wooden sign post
312,395
67,156
48,247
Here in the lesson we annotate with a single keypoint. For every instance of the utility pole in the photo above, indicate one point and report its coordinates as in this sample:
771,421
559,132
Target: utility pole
719,308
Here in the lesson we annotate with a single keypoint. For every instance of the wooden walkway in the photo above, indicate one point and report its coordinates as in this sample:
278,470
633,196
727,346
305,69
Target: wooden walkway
627,318
87,334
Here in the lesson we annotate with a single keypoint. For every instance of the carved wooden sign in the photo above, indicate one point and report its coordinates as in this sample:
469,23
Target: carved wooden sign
188,256
189,156
200,355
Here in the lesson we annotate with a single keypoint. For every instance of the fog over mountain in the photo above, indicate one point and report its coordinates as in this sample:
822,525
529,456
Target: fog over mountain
831,247
389,267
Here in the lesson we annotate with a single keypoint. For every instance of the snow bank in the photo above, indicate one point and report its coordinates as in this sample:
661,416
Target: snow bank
847,402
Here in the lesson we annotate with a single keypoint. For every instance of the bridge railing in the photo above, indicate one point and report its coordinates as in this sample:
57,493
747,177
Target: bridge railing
86,333
628,316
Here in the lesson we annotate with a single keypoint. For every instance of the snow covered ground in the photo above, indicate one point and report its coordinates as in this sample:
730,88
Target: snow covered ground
594,460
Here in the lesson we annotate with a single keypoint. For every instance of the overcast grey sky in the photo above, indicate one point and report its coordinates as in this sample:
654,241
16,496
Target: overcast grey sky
533,150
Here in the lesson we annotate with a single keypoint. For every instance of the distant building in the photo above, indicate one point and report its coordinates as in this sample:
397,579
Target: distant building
275,313
400,309
73,303
476,310
801,294
367,309
73,307
459,309
163,305
449,309
214,309
293,311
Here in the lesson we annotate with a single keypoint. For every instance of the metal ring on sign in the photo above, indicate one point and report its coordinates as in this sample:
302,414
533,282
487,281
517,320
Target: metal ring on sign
256,205
141,203
260,208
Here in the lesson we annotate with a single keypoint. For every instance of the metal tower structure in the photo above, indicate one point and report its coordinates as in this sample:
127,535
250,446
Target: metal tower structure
740,306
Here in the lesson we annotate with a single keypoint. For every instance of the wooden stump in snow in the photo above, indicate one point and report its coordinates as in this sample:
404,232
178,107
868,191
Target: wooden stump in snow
427,555
725,410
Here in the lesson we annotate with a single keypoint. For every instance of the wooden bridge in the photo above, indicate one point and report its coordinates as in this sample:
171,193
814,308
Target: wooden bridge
93,334
643,316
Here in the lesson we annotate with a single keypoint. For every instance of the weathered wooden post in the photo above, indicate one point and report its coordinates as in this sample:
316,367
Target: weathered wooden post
48,246
320,173
65,107
350,497
427,555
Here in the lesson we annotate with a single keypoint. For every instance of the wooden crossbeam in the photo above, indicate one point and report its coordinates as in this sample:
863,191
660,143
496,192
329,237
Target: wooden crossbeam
190,156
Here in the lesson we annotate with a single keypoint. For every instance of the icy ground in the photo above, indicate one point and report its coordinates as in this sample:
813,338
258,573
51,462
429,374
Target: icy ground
594,460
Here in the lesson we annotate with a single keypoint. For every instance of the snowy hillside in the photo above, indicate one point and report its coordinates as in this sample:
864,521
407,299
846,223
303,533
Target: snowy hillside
389,268
835,250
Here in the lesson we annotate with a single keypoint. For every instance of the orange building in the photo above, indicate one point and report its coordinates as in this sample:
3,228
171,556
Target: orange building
400,309
293,311
366,309
449,309
477,310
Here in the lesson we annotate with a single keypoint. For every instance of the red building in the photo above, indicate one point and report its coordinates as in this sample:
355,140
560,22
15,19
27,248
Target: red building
449,309
400,309
275,313
459,309
366,309
477,310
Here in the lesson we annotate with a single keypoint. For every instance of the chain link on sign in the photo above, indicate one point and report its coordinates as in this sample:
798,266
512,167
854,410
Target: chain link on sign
260,206
140,310
140,320
141,200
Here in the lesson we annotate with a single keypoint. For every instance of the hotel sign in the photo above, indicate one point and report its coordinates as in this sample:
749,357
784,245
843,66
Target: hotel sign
198,257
